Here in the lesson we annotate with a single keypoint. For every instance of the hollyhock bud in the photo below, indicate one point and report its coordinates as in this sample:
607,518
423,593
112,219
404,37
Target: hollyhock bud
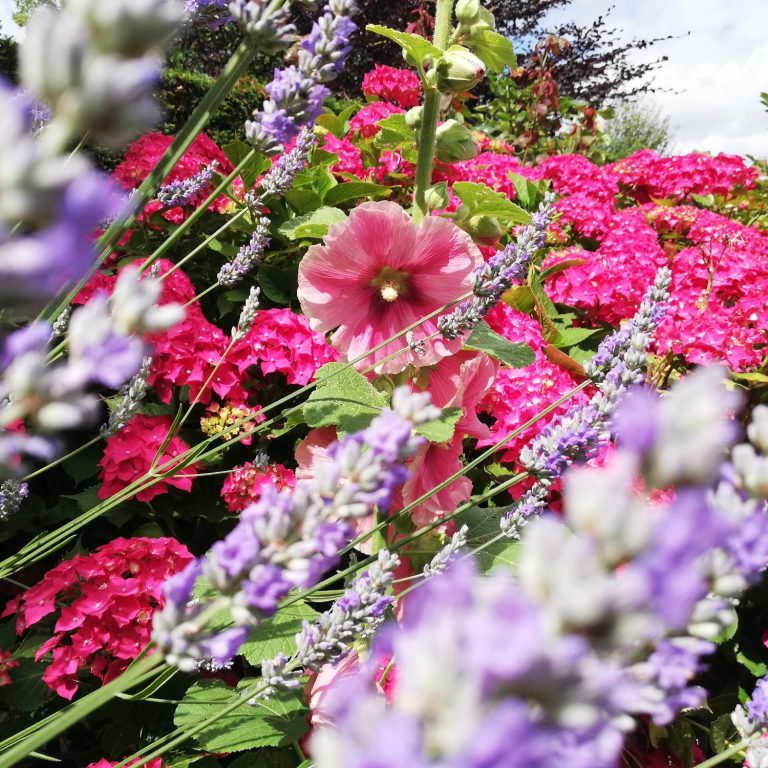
468,12
458,70
413,117
455,143
483,227
436,197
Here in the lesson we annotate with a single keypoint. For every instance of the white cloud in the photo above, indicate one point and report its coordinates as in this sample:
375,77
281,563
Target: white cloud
714,75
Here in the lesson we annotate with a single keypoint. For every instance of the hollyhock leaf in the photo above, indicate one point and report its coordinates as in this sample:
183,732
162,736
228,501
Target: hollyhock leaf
441,430
312,226
528,193
520,297
569,337
494,50
28,692
274,722
414,45
394,130
303,200
511,354
483,201
354,190
348,400
277,635
483,526
723,732
279,283
561,266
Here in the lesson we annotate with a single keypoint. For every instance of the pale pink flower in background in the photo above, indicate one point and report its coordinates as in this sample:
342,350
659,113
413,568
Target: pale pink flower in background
377,273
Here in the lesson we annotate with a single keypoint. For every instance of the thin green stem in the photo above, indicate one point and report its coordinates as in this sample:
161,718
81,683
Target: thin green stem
729,753
64,458
430,115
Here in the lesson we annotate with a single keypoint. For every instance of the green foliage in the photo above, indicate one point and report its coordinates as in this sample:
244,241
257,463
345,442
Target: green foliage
483,527
636,126
513,355
312,226
278,634
273,722
483,201
8,56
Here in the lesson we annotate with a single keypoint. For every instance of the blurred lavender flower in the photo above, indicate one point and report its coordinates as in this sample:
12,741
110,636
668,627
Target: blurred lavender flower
266,24
12,494
288,540
183,192
296,93
499,272
751,721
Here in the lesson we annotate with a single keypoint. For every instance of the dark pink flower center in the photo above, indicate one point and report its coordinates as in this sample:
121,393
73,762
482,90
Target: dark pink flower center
391,283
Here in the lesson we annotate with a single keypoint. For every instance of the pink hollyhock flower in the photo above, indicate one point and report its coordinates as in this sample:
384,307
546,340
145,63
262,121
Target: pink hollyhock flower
129,453
312,450
107,602
377,273
280,341
6,664
401,86
245,484
367,117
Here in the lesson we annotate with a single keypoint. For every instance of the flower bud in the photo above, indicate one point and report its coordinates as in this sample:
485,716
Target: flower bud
436,197
467,11
413,117
455,142
458,70
485,227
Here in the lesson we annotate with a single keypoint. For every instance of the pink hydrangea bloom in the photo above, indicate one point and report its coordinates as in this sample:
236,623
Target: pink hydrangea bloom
366,118
400,86
350,160
377,273
128,456
519,394
245,484
280,341
647,175
6,664
489,168
106,600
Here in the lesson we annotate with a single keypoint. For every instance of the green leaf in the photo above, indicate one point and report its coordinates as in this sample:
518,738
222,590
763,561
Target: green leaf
751,377
723,733
274,722
569,337
354,190
757,668
482,200
236,152
348,400
488,341
414,45
312,226
561,266
483,526
278,634
28,692
279,282
495,50
267,757
442,430
527,192
303,200
393,130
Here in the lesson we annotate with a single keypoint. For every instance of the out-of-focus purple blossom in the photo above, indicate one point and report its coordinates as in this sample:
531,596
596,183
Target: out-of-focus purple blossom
751,721
266,23
184,192
498,273
289,539
12,494
296,93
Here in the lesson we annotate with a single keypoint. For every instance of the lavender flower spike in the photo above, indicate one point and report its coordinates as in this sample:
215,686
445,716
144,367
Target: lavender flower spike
184,191
498,274
247,257
12,494
289,539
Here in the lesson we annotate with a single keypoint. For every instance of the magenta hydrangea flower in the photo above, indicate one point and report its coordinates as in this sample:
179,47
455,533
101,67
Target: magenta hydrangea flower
377,273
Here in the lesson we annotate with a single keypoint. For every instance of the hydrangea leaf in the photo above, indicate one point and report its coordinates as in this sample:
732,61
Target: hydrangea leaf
414,45
312,226
483,526
27,692
494,50
346,400
442,429
274,722
483,201
354,190
515,355
278,634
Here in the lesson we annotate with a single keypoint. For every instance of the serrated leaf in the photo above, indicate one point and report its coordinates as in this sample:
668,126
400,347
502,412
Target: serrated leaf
441,430
569,337
277,635
27,692
513,354
482,200
414,45
354,190
347,400
393,130
495,50
274,722
723,732
312,226
561,266
483,526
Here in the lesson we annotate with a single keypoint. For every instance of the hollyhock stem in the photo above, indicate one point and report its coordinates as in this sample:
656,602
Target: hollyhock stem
726,756
431,114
